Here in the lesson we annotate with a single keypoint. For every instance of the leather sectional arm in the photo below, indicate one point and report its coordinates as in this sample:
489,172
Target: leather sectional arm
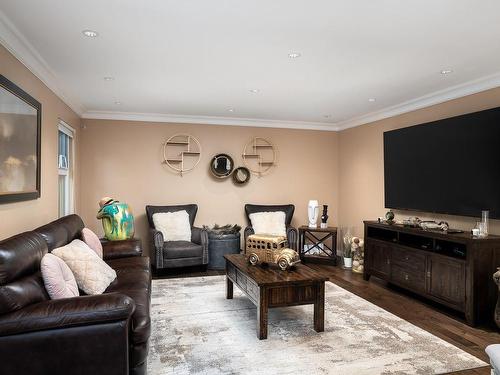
68,312
121,249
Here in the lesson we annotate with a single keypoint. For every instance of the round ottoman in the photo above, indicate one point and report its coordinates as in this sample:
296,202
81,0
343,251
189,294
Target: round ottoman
218,246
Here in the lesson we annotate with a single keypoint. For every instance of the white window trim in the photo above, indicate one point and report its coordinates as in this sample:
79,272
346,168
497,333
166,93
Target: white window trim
70,184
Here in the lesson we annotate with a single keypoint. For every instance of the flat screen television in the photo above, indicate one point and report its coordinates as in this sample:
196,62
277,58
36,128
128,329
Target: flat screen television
450,166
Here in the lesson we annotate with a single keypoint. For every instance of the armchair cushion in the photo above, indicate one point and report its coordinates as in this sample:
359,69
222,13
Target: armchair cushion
182,249
269,223
174,226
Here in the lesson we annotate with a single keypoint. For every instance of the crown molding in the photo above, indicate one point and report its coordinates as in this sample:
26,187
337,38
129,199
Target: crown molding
208,120
19,46
441,96
15,42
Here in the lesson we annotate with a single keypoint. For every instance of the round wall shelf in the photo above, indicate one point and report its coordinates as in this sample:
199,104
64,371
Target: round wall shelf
181,153
259,156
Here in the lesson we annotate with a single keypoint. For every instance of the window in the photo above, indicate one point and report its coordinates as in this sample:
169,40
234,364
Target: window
65,168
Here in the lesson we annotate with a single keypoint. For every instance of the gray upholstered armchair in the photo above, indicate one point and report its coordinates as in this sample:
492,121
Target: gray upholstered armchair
175,254
291,232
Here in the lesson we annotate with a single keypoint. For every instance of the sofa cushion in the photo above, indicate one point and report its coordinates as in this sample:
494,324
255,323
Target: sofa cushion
130,276
22,292
174,226
181,249
20,256
269,223
58,279
129,264
92,274
91,239
61,231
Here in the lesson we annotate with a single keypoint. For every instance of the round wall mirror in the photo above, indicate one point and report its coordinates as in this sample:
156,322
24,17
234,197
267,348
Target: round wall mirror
241,175
222,165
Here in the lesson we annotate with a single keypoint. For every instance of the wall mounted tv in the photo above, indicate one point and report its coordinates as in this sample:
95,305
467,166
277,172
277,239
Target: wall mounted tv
450,166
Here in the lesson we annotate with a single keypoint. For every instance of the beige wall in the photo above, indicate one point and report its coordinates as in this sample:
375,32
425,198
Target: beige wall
18,217
123,159
361,163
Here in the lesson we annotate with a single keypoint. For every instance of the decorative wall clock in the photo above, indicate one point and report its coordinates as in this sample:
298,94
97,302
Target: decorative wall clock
259,156
181,153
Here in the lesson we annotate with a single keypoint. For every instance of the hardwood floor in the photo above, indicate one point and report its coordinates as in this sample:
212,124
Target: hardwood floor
446,324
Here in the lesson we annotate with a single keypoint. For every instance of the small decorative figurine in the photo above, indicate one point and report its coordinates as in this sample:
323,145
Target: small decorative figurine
117,219
434,225
358,256
324,217
312,212
389,217
263,248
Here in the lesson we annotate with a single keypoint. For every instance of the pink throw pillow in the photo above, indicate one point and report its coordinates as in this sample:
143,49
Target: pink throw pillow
92,241
58,279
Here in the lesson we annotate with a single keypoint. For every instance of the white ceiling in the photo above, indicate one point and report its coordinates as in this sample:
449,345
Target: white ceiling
192,60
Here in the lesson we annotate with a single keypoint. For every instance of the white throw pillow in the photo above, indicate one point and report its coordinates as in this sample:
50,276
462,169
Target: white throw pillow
173,225
269,223
92,274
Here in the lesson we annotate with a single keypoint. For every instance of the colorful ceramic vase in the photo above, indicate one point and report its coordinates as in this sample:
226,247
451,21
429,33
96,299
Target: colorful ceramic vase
117,220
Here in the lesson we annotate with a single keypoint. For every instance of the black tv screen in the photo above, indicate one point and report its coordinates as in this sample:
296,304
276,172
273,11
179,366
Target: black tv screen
449,166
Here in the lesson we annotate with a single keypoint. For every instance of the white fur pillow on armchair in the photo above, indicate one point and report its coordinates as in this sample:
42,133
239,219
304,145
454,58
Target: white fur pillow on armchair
272,223
174,226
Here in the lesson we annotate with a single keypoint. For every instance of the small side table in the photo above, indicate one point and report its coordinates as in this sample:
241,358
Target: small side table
323,243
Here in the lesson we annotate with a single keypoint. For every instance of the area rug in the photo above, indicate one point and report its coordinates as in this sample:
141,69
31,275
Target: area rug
196,330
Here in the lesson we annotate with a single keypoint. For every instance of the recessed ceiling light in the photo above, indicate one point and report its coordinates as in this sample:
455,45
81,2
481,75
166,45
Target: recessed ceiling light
118,103
294,55
446,71
231,110
372,100
90,33
255,91
109,79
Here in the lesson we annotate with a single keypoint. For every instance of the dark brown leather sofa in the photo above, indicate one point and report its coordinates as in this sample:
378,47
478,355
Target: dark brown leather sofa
291,232
102,334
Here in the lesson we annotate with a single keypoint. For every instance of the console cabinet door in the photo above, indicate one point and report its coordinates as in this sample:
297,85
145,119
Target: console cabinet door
446,279
379,261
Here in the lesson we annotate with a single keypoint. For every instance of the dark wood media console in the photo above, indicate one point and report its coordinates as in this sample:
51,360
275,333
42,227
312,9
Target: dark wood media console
453,269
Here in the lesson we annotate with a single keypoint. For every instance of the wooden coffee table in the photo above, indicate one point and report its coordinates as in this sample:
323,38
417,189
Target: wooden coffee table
269,287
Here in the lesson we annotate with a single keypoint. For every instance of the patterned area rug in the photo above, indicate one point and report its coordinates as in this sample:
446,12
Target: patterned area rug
197,331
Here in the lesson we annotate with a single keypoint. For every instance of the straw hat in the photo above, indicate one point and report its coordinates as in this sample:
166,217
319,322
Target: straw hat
105,201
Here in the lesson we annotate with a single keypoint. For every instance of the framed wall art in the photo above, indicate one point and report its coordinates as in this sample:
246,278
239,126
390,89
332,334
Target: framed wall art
20,143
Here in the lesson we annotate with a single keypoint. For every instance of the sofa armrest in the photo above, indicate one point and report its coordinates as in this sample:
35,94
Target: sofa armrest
121,249
200,236
67,312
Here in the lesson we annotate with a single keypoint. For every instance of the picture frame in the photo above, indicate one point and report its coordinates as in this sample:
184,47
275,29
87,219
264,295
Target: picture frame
20,144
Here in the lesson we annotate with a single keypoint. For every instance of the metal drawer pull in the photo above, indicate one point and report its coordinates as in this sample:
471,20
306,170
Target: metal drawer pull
428,273
406,277
407,258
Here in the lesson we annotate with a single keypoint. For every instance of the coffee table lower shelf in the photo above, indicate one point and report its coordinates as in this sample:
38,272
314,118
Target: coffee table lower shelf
271,295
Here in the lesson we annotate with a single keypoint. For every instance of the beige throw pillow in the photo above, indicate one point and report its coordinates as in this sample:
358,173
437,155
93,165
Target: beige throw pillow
269,223
173,225
92,274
